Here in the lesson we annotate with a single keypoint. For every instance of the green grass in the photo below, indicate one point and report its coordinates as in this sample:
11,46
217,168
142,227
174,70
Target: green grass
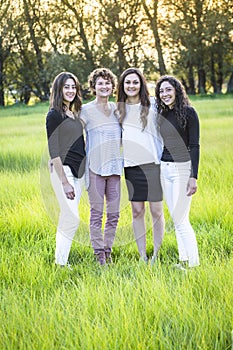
125,306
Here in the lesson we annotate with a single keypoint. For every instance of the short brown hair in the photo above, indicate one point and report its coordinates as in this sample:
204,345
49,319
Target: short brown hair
104,73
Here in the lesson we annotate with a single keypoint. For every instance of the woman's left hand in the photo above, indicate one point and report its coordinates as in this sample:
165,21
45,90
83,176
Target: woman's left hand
192,186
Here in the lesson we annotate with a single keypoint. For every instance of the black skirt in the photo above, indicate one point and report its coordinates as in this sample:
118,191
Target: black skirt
143,183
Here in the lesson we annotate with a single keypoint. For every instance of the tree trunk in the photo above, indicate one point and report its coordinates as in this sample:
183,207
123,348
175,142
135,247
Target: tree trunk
212,76
122,63
44,90
201,81
1,75
154,26
230,85
220,71
87,52
191,80
200,48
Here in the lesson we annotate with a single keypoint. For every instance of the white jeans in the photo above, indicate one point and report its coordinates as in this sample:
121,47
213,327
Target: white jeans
69,217
174,180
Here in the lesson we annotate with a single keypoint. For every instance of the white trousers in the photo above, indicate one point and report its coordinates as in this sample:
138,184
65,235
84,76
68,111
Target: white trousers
174,180
69,217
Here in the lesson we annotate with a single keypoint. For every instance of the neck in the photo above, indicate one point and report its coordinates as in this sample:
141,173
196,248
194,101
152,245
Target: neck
67,104
133,100
172,106
101,100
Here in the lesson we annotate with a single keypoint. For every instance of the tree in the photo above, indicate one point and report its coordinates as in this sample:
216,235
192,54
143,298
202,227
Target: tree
5,42
39,39
118,26
201,41
153,19
218,27
186,28
80,30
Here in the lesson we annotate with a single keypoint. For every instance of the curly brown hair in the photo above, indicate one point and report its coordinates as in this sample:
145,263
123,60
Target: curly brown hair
104,73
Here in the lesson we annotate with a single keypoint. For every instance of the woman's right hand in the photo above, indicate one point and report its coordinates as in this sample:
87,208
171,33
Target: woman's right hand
69,190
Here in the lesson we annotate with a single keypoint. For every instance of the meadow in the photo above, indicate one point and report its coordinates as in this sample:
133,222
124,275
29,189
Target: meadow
125,305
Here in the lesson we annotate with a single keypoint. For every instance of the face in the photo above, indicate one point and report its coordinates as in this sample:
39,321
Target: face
167,94
69,91
103,87
132,85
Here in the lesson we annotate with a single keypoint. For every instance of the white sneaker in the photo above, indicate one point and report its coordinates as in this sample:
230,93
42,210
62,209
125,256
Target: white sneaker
180,266
143,260
154,260
67,266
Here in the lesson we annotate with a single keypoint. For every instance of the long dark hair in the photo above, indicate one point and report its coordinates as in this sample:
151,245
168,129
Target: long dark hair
181,99
56,97
144,96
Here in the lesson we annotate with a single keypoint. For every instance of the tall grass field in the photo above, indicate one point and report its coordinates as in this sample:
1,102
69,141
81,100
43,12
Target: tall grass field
125,305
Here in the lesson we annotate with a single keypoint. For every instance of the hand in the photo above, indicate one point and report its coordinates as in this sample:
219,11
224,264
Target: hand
192,186
69,190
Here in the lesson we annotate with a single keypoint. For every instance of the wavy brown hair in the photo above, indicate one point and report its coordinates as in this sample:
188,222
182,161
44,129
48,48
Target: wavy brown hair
144,96
56,97
181,99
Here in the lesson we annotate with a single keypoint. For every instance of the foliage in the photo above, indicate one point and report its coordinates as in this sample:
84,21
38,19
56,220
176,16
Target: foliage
192,39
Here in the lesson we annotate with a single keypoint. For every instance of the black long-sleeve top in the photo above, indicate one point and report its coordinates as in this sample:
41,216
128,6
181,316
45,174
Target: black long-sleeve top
181,144
65,140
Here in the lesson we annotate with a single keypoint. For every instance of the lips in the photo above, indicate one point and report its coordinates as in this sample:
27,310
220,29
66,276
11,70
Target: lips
166,100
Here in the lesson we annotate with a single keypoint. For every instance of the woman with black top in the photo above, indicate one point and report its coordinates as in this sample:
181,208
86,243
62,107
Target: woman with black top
67,152
179,127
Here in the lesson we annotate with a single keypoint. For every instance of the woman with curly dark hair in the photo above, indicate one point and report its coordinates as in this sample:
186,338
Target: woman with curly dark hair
179,127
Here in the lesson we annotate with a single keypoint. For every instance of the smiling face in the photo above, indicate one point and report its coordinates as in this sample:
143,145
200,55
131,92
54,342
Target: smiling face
132,85
103,87
167,94
69,91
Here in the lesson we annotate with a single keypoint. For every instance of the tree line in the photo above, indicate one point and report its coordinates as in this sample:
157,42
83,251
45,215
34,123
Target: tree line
191,39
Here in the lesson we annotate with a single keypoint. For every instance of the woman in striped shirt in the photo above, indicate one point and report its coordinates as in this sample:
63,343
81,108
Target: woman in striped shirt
104,162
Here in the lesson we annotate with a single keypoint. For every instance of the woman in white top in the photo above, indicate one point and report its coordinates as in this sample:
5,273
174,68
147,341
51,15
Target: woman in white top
104,162
141,152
